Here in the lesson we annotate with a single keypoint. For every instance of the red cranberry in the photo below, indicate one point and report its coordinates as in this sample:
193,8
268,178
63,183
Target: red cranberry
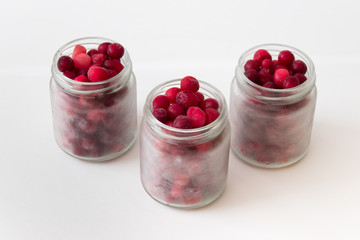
82,60
252,75
91,52
274,63
81,78
97,74
170,123
279,67
98,59
286,58
171,94
161,101
115,51
300,77
111,73
197,116
70,74
82,71
189,83
266,63
251,64
77,50
65,63
298,66
269,85
161,115
211,115
114,64
210,103
265,75
290,82
279,77
262,54
182,122
103,47
200,98
95,114
175,110
186,99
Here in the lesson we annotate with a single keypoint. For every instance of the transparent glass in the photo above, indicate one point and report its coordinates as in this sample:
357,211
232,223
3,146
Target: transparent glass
93,120
184,168
271,128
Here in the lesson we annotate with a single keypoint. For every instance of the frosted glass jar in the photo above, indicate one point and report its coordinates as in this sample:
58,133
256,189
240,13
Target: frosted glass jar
271,128
184,168
93,120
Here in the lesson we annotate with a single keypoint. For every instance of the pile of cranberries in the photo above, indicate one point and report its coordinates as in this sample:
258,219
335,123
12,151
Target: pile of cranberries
94,65
185,107
283,73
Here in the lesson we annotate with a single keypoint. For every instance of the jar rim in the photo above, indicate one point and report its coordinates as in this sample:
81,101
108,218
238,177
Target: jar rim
59,76
276,47
178,134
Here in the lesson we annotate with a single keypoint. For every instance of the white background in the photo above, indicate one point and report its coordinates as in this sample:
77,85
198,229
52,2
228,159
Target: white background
45,194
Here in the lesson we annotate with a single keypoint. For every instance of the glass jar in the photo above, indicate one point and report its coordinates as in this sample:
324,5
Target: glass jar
271,128
93,120
184,168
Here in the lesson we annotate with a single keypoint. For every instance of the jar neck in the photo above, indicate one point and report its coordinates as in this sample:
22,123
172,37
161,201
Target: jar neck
275,96
83,88
186,136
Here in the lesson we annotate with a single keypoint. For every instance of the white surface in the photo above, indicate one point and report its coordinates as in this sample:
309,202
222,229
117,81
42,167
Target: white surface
45,194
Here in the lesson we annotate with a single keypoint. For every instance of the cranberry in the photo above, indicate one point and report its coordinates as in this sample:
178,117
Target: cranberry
269,85
266,63
176,191
114,64
290,82
189,83
261,54
65,63
86,126
81,78
181,179
98,59
97,74
298,66
87,143
182,122
210,103
77,50
103,47
265,75
300,77
252,75
175,110
171,94
211,115
82,71
96,114
251,64
91,52
161,101
70,74
160,114
115,50
186,99
111,73
279,77
200,98
82,60
170,123
197,116
286,58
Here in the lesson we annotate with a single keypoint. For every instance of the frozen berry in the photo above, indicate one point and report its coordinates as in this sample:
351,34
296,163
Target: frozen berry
211,115
91,52
161,101
115,51
161,115
279,77
200,98
197,116
95,114
171,94
210,103
103,47
81,78
82,71
290,82
269,85
98,59
70,74
181,179
252,75
189,83
175,110
286,58
266,63
77,50
300,77
182,122
298,66
251,64
261,54
97,74
114,64
82,60
65,63
186,99
265,75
